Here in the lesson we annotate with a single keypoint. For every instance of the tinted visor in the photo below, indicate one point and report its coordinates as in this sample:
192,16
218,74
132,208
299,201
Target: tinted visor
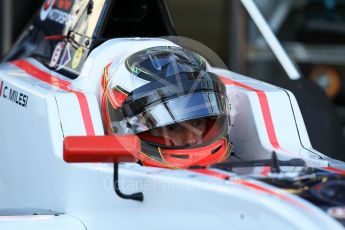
179,109
192,133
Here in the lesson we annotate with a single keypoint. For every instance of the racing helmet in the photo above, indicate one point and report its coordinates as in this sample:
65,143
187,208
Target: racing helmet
166,96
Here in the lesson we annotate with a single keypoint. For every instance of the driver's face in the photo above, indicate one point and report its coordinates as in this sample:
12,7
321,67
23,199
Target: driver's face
183,134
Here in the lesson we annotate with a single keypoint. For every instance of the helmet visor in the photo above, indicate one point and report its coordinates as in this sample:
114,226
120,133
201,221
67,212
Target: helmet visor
188,134
179,110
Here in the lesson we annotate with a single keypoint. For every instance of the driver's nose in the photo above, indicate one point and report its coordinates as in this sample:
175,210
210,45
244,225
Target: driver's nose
191,138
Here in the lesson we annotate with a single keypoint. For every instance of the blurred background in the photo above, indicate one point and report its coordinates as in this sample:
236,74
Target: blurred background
311,31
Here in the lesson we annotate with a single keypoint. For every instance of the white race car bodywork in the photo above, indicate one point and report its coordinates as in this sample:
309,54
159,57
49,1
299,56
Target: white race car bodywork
40,107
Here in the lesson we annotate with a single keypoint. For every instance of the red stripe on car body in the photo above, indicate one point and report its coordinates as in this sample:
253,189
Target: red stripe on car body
85,111
269,191
265,171
1,85
336,170
254,186
211,173
266,113
265,110
41,75
61,84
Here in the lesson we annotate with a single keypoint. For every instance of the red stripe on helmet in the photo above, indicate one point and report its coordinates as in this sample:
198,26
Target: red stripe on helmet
116,98
63,85
105,78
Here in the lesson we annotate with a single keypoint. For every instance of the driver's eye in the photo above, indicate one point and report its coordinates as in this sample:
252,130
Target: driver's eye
171,128
197,123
